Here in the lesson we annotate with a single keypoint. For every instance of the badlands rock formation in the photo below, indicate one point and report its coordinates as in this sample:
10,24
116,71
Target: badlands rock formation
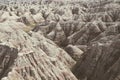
31,56
56,40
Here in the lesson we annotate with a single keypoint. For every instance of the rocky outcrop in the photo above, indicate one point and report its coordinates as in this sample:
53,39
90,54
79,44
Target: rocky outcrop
101,59
46,40
74,52
38,58
7,59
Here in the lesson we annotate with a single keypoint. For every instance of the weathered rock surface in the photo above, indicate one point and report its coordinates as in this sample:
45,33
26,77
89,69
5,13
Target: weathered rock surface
38,58
7,59
46,40
101,59
74,52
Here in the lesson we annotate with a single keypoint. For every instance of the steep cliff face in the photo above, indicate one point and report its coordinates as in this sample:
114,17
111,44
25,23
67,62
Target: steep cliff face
7,59
101,59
